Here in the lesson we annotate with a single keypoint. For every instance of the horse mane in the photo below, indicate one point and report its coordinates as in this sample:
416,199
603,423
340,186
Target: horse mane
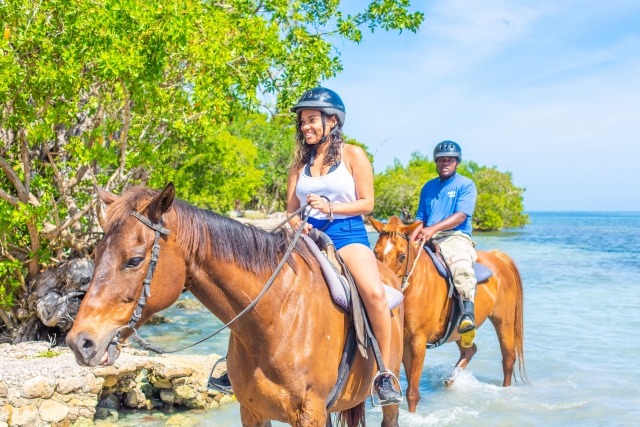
202,233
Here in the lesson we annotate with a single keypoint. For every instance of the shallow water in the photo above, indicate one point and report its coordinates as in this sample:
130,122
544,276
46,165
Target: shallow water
582,314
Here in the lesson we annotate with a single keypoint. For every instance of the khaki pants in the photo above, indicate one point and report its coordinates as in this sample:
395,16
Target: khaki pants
459,251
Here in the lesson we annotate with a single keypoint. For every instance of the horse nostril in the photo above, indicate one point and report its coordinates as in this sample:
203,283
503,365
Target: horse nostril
87,347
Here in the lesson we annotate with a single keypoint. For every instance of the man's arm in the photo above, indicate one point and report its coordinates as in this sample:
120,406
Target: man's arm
448,223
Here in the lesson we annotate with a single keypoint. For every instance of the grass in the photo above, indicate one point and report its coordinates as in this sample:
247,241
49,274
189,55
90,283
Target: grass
48,354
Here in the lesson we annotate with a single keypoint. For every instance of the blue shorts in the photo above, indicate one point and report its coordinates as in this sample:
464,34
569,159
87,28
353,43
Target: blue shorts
345,231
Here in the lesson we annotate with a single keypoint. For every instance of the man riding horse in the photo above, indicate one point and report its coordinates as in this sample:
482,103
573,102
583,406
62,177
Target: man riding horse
444,212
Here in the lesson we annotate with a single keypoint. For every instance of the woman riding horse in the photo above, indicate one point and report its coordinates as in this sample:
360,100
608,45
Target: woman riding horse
336,180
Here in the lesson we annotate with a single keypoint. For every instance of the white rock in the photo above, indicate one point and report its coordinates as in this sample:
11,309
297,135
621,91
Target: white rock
53,411
37,387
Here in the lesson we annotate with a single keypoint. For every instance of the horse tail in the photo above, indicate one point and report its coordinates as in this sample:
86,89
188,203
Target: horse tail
352,417
518,324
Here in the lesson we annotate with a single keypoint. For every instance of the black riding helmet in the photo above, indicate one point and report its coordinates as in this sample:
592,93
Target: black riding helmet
328,103
447,149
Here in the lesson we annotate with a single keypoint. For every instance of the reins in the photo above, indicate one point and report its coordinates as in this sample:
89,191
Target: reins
146,287
407,272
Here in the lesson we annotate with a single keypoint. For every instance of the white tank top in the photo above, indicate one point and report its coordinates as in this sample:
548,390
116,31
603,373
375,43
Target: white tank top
338,186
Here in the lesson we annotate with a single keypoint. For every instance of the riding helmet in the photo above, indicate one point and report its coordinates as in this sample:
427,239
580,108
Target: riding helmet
447,149
324,100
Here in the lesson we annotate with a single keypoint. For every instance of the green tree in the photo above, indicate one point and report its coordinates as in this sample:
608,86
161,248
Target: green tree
398,188
126,92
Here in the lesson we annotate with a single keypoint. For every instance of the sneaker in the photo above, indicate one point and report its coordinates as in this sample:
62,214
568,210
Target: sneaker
386,391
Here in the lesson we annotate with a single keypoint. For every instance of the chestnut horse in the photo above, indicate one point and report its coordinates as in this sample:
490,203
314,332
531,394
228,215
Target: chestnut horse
427,308
283,354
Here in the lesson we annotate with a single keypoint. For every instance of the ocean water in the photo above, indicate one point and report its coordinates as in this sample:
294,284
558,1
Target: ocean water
582,335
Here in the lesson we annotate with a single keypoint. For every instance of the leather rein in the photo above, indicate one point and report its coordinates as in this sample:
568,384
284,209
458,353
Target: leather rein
407,271
146,284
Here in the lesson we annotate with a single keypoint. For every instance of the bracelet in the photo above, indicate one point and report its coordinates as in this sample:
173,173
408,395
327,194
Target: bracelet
330,212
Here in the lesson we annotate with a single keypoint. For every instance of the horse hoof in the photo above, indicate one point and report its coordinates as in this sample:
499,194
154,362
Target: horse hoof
449,381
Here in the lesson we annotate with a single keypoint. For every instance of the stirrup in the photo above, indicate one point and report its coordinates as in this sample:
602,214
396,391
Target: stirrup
220,383
377,404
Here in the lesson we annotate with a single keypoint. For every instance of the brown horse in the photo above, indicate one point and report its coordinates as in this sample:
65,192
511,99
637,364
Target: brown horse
283,354
427,308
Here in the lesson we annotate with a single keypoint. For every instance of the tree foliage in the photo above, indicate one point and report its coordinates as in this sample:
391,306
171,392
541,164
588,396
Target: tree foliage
499,204
122,92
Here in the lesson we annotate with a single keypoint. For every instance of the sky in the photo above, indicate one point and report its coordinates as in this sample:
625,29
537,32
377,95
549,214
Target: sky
548,90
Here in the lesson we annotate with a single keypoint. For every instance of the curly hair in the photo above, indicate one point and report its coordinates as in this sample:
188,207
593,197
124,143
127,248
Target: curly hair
302,153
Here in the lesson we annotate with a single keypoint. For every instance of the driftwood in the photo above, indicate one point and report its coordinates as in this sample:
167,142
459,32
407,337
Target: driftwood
53,301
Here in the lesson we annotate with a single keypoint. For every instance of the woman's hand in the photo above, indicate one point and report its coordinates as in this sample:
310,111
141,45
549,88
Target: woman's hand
317,202
297,222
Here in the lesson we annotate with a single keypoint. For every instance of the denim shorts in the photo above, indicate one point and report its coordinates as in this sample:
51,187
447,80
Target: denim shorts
344,231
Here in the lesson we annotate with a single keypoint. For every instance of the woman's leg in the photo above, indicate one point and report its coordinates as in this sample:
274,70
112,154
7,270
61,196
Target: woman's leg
364,268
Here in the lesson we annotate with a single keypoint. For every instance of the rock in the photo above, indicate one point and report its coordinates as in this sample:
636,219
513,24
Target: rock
52,411
185,392
167,395
212,405
101,423
37,387
94,385
23,415
159,382
110,381
83,422
189,304
67,385
158,318
3,389
3,424
226,399
107,414
179,420
107,371
110,402
173,370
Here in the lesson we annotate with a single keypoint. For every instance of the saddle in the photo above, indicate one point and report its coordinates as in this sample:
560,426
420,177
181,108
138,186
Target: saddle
482,271
345,294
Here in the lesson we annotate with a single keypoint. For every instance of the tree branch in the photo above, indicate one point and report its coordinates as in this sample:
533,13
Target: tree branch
9,198
69,222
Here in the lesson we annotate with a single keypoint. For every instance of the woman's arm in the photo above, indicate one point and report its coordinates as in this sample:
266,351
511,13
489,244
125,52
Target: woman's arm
293,204
358,164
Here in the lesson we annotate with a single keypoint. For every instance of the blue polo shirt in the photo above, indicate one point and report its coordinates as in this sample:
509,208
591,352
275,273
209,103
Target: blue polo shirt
441,199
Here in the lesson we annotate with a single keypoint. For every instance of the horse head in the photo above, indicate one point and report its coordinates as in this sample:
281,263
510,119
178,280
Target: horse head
393,245
122,259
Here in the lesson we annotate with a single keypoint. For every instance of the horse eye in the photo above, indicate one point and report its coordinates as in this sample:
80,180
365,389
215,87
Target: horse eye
401,257
134,262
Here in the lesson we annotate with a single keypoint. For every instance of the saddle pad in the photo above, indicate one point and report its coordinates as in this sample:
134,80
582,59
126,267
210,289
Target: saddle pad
338,293
482,271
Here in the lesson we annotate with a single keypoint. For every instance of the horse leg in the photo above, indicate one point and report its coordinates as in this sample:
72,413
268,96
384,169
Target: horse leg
506,337
413,360
466,354
313,413
250,419
390,415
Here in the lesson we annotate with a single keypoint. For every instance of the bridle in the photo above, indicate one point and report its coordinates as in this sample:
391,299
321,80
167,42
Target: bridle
407,271
146,284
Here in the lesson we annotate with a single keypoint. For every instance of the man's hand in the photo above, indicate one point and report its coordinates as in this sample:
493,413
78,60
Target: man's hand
425,234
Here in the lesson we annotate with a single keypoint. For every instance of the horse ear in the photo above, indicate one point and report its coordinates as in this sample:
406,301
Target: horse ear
161,203
394,220
106,196
376,224
409,229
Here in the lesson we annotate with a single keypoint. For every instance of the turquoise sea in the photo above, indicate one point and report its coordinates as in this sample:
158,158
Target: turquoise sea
581,274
